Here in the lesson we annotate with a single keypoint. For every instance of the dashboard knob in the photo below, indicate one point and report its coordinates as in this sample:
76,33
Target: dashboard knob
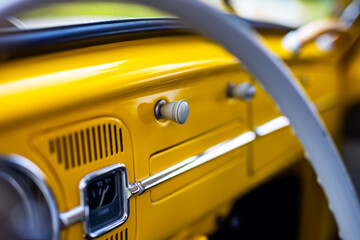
243,91
174,111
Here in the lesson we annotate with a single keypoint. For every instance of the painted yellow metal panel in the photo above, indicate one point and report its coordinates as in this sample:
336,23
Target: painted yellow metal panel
63,93
320,81
67,92
73,77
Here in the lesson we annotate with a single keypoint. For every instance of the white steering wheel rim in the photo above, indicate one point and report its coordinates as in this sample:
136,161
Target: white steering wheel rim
239,39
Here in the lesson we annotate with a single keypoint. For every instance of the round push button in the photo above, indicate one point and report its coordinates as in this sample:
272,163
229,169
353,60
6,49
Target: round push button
244,91
174,111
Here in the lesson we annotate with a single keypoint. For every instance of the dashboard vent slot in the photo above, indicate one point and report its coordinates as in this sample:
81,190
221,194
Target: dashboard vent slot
87,145
122,235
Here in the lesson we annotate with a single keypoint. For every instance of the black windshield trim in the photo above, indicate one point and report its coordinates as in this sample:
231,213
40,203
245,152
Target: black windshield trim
21,43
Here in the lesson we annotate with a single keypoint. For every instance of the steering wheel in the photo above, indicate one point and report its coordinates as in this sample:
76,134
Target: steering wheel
276,78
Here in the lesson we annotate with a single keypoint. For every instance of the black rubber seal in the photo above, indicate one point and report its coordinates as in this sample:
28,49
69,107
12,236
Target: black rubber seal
15,43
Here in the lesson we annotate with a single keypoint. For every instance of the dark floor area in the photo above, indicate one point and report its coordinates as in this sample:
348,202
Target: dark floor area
269,212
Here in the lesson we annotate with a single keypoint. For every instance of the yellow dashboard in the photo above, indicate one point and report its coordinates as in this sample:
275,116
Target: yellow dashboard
75,112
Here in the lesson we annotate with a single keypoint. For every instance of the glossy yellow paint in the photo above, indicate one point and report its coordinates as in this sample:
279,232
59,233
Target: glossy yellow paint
350,80
61,93
108,70
320,81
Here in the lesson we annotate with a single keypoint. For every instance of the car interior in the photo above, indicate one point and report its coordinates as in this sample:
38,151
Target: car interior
120,121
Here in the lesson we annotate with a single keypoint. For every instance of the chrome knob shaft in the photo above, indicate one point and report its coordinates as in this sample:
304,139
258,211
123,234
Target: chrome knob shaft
244,91
174,111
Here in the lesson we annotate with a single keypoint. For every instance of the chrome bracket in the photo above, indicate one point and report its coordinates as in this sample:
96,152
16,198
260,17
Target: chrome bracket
135,188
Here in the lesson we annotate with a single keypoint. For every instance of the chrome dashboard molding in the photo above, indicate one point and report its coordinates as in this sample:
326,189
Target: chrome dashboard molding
272,126
32,171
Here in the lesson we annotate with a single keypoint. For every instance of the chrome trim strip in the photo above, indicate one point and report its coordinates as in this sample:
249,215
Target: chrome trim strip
272,126
192,162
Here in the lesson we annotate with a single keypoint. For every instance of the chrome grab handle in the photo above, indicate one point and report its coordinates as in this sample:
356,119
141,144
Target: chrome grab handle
295,40
195,161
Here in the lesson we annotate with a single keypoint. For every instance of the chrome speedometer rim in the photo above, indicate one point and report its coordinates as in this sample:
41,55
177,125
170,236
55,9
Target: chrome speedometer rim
33,172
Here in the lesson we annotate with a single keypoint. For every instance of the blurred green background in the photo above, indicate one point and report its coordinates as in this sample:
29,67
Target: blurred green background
287,12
